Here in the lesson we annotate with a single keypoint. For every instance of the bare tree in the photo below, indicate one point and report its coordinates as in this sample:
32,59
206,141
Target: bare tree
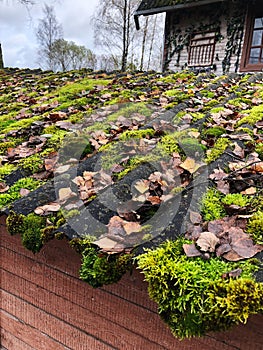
48,31
1,58
114,28
116,34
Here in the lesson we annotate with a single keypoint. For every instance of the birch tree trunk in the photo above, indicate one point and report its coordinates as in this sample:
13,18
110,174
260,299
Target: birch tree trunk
1,58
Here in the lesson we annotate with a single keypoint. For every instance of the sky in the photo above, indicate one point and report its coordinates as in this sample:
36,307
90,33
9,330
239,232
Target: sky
18,26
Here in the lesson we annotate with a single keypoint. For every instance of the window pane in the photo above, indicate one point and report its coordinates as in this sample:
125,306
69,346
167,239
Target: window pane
258,23
257,38
254,55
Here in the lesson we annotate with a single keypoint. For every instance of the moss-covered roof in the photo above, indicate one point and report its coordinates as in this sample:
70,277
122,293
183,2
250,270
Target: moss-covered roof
155,6
117,162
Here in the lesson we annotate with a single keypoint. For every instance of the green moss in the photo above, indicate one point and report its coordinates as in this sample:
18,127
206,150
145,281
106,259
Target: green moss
211,205
74,90
233,302
255,227
129,109
259,150
18,125
218,149
169,144
14,223
217,110
75,147
137,134
191,295
210,104
239,101
14,191
32,235
177,77
207,93
55,142
245,130
6,169
254,116
192,148
236,199
5,145
98,270
32,163
195,116
216,132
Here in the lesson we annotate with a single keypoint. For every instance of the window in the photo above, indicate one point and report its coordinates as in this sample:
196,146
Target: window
252,56
201,50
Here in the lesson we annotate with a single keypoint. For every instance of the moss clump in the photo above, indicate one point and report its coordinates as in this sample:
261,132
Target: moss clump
254,116
255,227
14,191
55,142
192,297
137,134
32,235
6,169
5,145
18,125
211,205
233,302
169,144
216,132
219,147
14,223
99,270
192,148
259,150
29,227
236,199
75,147
33,163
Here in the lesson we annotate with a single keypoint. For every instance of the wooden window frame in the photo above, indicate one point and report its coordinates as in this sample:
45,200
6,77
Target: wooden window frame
202,52
245,66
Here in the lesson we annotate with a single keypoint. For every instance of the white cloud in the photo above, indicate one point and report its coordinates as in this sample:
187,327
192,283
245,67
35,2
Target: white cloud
17,28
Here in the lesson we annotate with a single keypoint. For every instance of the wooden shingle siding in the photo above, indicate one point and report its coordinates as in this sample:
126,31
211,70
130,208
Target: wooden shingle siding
44,306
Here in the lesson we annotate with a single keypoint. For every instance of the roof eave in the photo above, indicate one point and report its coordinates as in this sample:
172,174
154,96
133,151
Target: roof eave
174,7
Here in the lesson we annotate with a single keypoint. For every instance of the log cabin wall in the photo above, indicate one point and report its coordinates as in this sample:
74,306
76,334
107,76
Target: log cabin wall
226,20
44,306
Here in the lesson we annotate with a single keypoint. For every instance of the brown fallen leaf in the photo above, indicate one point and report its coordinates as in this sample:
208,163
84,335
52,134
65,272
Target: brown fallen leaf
190,165
48,208
115,227
65,193
258,167
142,186
207,241
195,217
249,191
232,274
238,151
24,192
131,227
3,187
191,250
106,244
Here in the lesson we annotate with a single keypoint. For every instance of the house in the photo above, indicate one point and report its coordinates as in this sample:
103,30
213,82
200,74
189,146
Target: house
219,35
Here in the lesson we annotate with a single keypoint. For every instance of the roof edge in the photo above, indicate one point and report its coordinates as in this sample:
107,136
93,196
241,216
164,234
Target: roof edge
174,7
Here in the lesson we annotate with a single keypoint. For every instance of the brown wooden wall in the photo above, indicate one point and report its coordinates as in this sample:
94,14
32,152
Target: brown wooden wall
44,306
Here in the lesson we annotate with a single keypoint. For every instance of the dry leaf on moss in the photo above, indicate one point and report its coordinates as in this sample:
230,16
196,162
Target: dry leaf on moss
207,241
191,250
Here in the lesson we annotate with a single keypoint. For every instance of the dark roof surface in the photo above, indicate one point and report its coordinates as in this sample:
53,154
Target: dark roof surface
155,6
67,144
